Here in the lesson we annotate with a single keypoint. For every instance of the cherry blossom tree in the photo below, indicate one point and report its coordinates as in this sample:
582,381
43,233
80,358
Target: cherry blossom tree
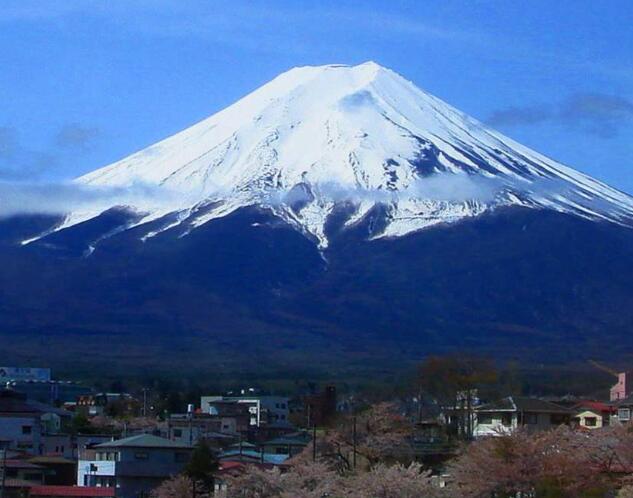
396,481
315,480
379,434
570,463
178,487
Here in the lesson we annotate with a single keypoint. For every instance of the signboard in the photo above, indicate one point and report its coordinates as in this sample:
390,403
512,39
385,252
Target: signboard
24,373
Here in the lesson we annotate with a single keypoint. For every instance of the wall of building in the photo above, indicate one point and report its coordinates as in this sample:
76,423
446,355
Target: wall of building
11,428
584,419
493,424
58,444
618,391
263,409
530,421
134,469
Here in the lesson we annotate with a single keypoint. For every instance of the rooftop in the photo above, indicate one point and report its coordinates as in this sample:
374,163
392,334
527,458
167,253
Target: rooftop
65,491
15,402
594,406
522,404
142,441
256,456
286,441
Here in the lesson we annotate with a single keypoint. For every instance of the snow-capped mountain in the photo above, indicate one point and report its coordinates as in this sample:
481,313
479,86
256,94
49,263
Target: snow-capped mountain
269,236
316,138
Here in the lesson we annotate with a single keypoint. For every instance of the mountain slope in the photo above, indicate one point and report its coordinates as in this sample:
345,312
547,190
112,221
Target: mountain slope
337,220
248,294
316,138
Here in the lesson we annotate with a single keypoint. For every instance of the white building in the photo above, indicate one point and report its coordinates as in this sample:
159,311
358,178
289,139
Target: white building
263,410
508,414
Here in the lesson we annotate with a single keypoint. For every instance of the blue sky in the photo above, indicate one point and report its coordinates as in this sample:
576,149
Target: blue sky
86,82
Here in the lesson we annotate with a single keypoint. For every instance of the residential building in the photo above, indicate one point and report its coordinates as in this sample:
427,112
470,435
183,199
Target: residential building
263,410
61,471
24,470
510,413
133,465
593,414
70,492
290,444
623,388
253,457
623,411
68,445
93,405
23,421
189,428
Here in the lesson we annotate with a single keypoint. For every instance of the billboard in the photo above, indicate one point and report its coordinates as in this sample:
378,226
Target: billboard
24,373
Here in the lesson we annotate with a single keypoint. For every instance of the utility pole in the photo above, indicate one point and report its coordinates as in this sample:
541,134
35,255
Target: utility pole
3,460
314,449
309,415
354,442
144,402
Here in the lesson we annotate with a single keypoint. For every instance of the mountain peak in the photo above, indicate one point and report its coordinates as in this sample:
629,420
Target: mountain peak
360,135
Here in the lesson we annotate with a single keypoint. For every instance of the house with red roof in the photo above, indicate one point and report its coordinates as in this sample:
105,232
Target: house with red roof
70,492
593,414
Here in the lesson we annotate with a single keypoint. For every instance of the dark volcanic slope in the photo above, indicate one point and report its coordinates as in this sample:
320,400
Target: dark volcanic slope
535,285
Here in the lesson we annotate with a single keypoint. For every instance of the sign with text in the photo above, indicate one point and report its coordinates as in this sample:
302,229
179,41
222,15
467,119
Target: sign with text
24,373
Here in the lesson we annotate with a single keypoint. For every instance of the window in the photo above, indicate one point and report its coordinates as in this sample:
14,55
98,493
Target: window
105,482
624,414
108,456
141,455
506,419
27,429
591,421
484,419
177,432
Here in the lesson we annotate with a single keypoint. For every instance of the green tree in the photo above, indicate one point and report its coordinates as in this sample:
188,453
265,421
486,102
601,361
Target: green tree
202,467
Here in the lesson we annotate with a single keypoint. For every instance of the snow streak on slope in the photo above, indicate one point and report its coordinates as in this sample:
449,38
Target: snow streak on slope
318,137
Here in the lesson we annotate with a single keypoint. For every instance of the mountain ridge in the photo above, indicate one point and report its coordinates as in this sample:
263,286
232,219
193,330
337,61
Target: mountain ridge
411,245
318,137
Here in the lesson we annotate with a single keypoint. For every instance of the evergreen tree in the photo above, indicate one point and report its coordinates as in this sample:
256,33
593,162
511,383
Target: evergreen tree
202,467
